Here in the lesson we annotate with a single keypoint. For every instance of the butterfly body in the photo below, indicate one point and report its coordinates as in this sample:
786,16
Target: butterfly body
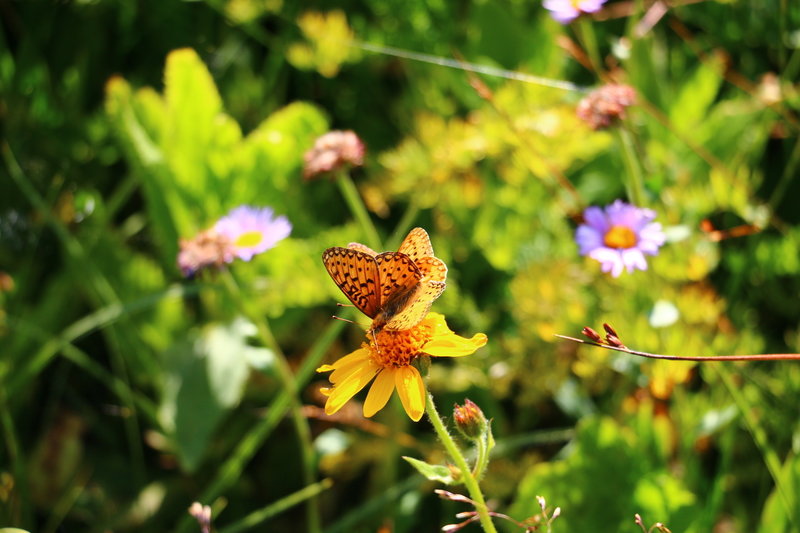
394,289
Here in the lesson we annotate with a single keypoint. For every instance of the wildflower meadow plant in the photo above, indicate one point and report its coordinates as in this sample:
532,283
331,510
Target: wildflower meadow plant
389,359
244,232
619,236
333,151
208,248
396,289
565,11
241,389
252,230
603,106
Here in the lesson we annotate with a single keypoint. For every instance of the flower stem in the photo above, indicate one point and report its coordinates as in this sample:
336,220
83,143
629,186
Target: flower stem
589,41
635,182
290,383
466,476
359,210
409,215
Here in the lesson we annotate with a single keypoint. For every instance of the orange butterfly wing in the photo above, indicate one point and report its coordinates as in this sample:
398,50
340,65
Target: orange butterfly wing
431,286
356,274
417,245
362,248
395,289
399,284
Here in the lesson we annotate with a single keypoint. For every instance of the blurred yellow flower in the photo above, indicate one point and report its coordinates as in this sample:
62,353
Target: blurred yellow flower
327,46
390,364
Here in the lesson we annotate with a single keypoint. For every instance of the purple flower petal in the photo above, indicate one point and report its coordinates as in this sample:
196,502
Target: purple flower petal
252,230
588,239
561,10
590,6
610,260
565,11
596,218
624,250
633,259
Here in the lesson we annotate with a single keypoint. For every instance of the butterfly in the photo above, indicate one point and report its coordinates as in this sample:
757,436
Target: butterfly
394,289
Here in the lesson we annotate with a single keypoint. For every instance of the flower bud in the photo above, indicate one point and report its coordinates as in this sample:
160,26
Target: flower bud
613,340
333,151
455,472
201,513
470,420
542,503
609,329
592,334
606,105
206,249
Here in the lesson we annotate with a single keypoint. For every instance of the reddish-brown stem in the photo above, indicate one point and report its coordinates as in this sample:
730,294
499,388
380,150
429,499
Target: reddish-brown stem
754,357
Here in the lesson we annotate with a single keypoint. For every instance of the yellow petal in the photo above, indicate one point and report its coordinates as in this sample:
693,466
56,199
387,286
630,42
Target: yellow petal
342,392
412,391
438,323
379,392
357,355
349,364
453,345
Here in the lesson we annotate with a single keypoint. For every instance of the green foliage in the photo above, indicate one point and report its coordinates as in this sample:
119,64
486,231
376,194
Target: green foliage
439,473
127,391
606,493
204,380
194,162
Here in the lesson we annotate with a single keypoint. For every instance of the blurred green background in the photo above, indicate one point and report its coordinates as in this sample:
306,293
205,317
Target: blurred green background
128,392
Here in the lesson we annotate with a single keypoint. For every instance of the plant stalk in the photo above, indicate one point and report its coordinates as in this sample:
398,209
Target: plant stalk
359,210
466,475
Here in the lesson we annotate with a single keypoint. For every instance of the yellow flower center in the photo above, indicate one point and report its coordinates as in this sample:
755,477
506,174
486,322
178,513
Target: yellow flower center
398,348
248,239
620,237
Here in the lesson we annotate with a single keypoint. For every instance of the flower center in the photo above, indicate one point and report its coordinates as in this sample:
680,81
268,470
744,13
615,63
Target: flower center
620,237
248,239
398,348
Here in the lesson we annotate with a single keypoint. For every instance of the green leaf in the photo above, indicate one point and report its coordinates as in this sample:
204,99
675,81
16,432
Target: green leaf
228,355
696,95
204,380
432,472
189,411
192,106
125,112
274,150
780,512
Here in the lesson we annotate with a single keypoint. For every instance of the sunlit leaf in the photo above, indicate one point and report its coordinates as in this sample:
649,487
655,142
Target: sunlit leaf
438,473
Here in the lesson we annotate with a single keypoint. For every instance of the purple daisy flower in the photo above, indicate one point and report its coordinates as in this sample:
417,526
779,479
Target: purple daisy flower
619,236
565,11
252,230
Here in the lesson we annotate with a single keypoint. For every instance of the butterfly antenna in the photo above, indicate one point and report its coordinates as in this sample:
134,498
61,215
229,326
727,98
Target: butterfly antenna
344,305
375,340
343,319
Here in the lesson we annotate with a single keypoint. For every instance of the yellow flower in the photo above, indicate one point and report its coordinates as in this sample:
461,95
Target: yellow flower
390,365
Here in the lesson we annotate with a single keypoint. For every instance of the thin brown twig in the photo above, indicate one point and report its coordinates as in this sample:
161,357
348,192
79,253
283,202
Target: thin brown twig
349,418
754,357
717,235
